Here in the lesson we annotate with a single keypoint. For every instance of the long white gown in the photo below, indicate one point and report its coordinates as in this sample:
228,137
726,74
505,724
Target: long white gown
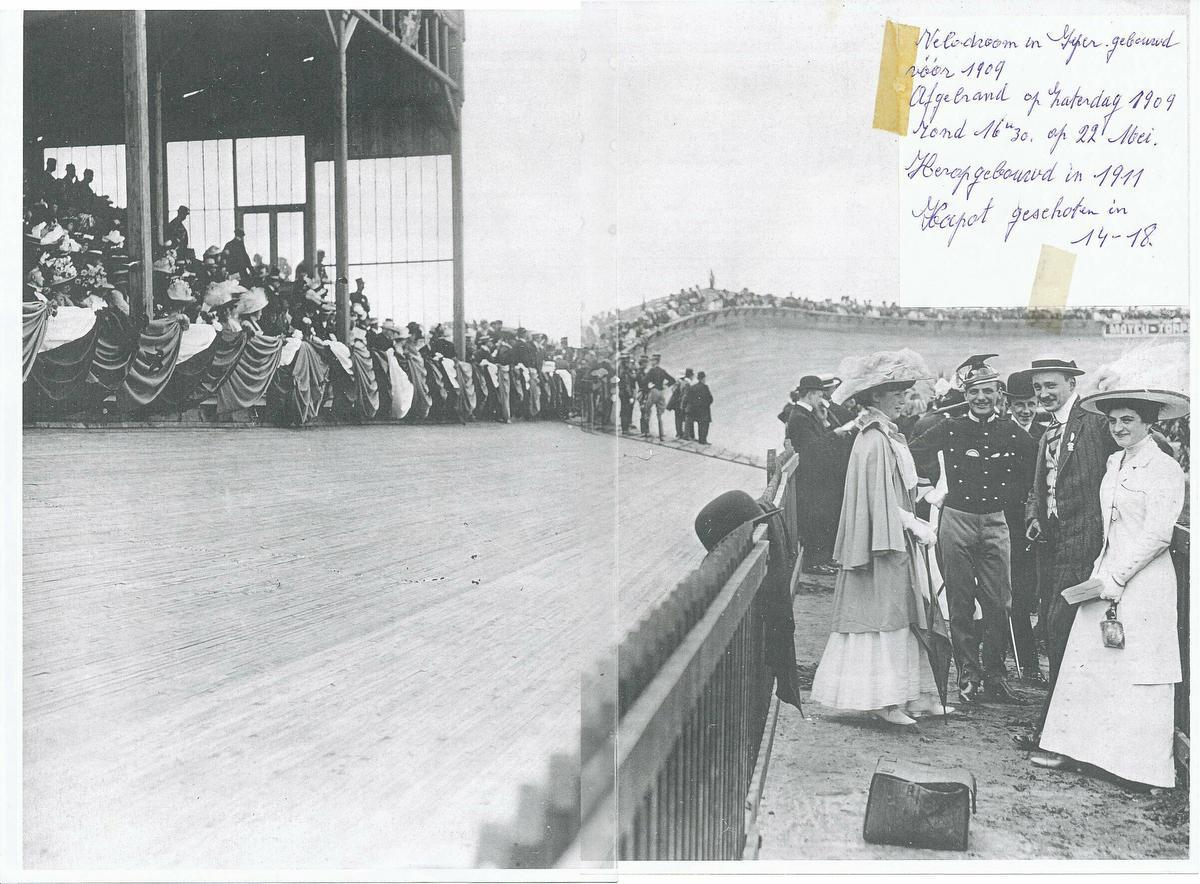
1111,708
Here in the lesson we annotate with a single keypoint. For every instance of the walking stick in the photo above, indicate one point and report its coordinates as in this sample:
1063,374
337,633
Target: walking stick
1016,657
933,601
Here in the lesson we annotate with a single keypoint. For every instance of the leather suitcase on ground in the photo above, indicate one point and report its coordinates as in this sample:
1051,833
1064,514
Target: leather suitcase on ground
911,804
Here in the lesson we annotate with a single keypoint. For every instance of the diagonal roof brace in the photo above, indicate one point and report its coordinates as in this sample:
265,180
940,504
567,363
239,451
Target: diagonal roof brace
430,68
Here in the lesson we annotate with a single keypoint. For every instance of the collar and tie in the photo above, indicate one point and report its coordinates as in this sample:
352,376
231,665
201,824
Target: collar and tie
1054,434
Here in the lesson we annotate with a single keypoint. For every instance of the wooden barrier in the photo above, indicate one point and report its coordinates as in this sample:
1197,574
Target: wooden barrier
1181,549
669,749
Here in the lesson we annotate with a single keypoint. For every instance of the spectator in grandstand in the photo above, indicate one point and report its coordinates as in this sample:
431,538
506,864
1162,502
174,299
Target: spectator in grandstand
178,234
874,661
46,185
697,405
359,295
250,307
439,344
236,259
66,185
377,337
78,196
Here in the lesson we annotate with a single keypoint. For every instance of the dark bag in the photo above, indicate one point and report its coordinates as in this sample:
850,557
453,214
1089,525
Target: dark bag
918,805
674,401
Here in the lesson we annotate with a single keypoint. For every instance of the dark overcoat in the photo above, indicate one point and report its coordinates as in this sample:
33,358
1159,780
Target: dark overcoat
698,399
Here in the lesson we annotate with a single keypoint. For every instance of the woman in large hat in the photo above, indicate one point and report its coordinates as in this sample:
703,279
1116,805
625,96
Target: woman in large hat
1113,707
875,660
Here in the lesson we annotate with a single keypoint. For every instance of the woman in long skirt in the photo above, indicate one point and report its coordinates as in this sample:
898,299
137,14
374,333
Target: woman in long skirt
874,661
1113,707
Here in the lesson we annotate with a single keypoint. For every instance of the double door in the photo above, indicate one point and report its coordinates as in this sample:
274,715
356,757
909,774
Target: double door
274,235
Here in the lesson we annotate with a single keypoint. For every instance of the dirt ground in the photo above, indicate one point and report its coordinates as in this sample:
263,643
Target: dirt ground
820,769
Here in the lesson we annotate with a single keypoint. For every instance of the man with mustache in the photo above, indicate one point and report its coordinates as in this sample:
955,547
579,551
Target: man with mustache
1062,512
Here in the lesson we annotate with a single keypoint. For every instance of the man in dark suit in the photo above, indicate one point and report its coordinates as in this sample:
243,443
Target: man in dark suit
1022,411
697,404
236,259
1062,511
819,449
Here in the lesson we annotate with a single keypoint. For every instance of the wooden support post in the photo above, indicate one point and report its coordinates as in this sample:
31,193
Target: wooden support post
157,167
310,203
344,28
456,225
137,162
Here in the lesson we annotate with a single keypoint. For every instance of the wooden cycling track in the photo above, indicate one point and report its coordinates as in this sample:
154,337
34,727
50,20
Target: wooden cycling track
330,648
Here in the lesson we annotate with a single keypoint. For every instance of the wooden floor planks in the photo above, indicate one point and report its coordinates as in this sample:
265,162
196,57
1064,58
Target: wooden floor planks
333,648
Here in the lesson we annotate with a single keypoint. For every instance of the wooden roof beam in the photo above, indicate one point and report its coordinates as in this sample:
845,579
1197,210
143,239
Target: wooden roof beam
433,70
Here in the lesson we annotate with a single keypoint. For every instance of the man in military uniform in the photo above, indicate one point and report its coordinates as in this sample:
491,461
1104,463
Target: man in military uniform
639,380
984,459
654,380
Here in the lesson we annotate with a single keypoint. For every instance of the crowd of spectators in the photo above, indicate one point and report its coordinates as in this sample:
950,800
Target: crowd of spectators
76,256
623,331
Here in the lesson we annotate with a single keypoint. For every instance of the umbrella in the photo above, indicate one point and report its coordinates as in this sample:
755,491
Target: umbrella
935,637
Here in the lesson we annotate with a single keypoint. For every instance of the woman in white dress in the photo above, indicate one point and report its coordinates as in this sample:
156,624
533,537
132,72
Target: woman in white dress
874,661
1113,708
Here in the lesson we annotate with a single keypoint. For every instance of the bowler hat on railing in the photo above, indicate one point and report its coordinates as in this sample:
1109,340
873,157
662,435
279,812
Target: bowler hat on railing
724,514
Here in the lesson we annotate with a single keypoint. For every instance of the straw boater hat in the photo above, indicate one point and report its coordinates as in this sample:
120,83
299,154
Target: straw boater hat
898,369
829,381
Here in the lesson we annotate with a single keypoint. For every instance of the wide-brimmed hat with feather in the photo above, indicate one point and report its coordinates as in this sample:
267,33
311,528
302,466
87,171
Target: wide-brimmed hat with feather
885,368
1151,373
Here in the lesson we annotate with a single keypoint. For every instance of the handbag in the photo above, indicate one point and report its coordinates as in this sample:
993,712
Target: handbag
911,804
1112,633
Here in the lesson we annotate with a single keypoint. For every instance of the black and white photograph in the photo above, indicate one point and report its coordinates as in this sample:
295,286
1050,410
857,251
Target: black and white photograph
560,443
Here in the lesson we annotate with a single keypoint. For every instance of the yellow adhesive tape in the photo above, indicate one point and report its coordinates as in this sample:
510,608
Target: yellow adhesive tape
1051,285
895,77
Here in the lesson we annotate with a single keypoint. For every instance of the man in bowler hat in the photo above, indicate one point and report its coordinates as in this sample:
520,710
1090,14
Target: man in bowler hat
818,449
697,403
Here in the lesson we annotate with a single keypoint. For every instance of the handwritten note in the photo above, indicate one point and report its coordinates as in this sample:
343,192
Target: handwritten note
1026,132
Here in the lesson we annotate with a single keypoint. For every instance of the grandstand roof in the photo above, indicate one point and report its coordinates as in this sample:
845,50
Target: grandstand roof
250,66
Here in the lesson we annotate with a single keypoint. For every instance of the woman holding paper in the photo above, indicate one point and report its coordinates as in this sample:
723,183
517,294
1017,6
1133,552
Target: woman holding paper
1113,707
874,660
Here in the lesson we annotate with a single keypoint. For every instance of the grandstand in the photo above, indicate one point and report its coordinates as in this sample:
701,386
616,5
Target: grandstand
347,647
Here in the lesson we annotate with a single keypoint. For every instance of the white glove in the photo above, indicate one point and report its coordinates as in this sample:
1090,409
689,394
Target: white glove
1110,590
935,497
919,528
